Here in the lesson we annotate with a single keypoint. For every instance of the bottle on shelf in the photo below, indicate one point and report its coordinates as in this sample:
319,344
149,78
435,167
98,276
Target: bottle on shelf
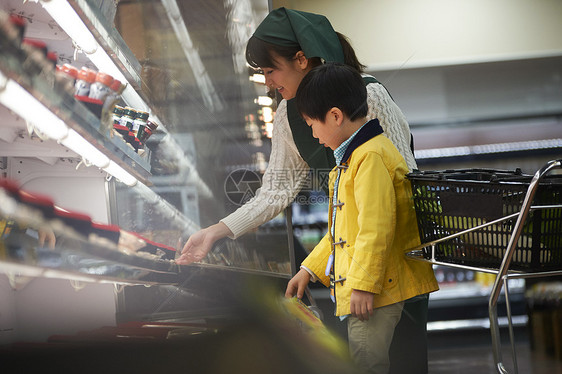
148,131
100,88
128,117
139,123
84,80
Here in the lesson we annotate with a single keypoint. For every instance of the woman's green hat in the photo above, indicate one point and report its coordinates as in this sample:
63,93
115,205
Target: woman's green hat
312,32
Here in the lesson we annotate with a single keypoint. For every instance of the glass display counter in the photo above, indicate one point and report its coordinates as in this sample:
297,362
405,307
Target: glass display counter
183,64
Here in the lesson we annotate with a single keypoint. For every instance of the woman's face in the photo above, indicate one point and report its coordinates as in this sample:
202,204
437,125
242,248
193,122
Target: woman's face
286,76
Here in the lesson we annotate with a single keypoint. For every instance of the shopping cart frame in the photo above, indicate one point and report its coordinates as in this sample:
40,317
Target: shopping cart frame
503,273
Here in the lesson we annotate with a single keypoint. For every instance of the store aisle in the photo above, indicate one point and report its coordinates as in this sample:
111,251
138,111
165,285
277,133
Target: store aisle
461,353
472,360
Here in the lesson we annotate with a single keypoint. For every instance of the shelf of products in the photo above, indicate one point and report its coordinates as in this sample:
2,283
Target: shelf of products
50,122
37,82
43,97
29,90
82,33
39,239
122,212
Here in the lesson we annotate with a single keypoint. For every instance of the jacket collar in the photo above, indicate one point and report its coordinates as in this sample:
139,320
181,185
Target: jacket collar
367,132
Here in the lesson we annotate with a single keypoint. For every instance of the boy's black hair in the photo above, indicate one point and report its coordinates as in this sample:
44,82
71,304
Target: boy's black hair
332,85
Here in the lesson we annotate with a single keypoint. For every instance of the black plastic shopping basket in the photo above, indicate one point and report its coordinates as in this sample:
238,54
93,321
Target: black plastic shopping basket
477,209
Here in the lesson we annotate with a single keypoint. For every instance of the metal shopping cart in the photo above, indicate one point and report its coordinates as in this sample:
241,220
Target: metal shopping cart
501,222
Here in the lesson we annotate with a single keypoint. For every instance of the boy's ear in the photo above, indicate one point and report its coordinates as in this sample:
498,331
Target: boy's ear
336,115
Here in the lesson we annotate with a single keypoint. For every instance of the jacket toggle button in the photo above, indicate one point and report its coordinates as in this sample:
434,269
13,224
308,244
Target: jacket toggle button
340,242
343,167
340,279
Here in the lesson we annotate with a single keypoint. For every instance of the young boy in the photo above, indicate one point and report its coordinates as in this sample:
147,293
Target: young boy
372,220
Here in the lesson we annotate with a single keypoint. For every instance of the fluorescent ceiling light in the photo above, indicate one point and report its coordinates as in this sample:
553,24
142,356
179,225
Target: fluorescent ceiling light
264,101
269,129
487,148
85,149
21,102
63,13
258,78
267,114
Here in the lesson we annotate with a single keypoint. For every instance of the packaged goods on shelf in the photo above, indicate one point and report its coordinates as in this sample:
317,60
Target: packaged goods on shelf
50,89
139,123
148,131
133,126
100,92
36,62
31,210
100,88
84,81
127,118
157,249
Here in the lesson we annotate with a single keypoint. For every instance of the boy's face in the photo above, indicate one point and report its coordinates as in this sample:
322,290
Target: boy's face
328,132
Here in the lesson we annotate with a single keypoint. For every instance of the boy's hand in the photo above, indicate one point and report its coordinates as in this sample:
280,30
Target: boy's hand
361,303
298,284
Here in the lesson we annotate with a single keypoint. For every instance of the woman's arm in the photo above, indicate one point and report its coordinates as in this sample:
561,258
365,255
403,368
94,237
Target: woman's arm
283,179
392,121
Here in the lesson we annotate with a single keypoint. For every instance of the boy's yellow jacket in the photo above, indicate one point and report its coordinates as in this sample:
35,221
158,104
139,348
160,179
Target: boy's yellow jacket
378,224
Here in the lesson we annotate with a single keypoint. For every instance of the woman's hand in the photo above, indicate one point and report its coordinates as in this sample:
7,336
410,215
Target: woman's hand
297,285
200,243
46,235
361,303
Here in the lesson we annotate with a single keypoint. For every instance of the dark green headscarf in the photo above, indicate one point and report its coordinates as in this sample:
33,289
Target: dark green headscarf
312,32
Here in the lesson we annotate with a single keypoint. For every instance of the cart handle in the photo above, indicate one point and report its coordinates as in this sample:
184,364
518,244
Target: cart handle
495,293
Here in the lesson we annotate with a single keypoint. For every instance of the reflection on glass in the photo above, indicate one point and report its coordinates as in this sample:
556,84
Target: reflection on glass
213,150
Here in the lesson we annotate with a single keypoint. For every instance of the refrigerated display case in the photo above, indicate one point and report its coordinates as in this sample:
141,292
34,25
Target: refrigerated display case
120,210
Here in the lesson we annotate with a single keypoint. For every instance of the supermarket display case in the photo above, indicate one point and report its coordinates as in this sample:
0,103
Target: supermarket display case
67,171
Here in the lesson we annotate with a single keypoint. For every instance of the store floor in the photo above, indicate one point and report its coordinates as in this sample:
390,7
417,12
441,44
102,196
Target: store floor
469,352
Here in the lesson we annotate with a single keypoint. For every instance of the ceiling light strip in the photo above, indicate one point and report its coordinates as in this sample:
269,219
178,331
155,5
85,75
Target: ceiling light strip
488,148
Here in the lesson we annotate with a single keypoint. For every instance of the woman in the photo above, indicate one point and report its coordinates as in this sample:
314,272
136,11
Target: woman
286,46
